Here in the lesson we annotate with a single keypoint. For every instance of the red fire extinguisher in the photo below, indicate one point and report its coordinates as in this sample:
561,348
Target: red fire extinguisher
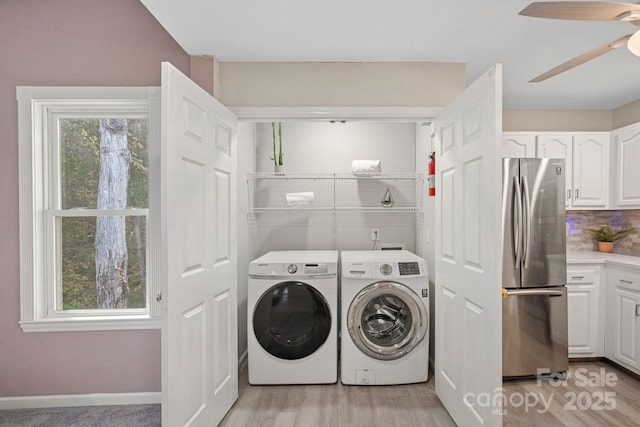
432,174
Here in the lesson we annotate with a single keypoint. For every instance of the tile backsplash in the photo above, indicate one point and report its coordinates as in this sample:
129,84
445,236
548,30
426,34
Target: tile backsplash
578,240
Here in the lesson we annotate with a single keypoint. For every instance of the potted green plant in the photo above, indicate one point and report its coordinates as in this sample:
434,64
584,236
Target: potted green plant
278,155
606,236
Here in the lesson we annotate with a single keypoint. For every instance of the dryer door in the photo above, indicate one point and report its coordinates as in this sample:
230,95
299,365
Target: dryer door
291,320
386,320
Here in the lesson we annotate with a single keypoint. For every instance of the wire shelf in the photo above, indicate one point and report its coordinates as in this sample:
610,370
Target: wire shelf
332,175
342,209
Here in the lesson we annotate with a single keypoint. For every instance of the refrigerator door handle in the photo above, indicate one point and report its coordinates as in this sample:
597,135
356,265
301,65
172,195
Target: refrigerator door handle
527,221
517,220
537,291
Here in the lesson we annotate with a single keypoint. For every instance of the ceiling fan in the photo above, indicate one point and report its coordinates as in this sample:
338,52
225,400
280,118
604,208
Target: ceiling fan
588,11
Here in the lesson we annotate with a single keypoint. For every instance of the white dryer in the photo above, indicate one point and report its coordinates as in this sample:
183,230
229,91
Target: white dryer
292,318
385,321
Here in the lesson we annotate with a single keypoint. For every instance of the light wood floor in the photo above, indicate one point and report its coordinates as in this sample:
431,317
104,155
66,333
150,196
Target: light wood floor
581,401
337,405
417,405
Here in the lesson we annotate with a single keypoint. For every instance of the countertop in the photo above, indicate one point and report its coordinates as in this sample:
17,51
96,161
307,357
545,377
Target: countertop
602,258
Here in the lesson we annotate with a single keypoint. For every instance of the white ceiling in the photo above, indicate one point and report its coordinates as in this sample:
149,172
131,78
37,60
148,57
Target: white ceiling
476,32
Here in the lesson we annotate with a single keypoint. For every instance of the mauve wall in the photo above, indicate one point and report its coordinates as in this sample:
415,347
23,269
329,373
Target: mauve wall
70,42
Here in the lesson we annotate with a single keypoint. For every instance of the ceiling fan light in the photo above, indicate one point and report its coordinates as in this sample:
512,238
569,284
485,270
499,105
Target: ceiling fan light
634,44
631,15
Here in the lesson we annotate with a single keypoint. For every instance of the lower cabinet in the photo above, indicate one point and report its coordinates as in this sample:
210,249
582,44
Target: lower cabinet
586,329
623,323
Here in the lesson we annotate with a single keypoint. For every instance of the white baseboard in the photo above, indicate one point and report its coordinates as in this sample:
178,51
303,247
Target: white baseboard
91,399
68,400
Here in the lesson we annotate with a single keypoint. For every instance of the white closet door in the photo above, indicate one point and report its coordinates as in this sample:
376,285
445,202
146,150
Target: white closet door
468,363
198,241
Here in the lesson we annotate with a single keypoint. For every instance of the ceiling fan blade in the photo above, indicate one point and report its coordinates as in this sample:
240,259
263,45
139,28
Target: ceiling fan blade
581,59
580,10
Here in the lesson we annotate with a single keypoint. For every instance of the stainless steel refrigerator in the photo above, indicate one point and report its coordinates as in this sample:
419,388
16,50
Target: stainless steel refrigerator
534,268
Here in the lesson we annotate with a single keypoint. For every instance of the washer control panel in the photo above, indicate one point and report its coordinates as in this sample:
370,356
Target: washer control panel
386,269
409,268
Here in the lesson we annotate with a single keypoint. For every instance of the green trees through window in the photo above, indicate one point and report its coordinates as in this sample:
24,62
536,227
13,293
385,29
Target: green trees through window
103,166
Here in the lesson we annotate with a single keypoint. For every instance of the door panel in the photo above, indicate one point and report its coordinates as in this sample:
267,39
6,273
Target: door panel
590,175
626,347
472,173
223,339
581,309
518,144
193,364
222,217
559,147
449,368
447,205
198,266
627,142
468,358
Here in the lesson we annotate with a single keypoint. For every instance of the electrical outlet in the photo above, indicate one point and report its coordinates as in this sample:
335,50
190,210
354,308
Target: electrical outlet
375,234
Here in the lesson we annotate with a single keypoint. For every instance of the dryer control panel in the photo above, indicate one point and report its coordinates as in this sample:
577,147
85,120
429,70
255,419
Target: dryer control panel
292,269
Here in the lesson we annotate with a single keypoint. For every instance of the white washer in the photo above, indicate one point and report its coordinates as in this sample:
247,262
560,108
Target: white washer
385,321
292,318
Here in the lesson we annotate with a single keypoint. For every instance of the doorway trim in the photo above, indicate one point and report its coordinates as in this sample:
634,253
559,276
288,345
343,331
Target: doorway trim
394,114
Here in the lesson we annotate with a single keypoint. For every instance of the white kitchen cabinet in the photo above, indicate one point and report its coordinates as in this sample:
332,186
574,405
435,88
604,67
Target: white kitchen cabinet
623,327
586,157
558,146
518,144
590,170
626,177
585,307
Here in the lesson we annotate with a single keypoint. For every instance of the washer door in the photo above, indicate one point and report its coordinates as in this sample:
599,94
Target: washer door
291,320
387,320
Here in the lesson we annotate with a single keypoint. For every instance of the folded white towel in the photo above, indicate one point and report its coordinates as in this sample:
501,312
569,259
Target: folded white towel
366,166
304,199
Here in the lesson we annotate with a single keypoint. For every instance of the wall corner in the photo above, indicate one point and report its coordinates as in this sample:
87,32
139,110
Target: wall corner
201,71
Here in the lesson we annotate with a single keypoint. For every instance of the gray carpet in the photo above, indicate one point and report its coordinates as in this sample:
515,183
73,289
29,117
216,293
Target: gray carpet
85,416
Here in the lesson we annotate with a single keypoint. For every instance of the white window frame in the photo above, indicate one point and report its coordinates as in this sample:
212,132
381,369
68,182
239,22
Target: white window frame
38,111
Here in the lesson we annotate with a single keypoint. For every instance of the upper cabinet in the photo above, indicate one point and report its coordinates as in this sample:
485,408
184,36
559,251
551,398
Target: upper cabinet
586,157
601,167
591,170
518,144
558,146
625,186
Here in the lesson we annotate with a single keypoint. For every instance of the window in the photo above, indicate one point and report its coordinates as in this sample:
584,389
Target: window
86,236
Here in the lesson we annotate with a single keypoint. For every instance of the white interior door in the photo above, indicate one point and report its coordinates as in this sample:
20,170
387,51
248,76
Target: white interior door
198,244
468,365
